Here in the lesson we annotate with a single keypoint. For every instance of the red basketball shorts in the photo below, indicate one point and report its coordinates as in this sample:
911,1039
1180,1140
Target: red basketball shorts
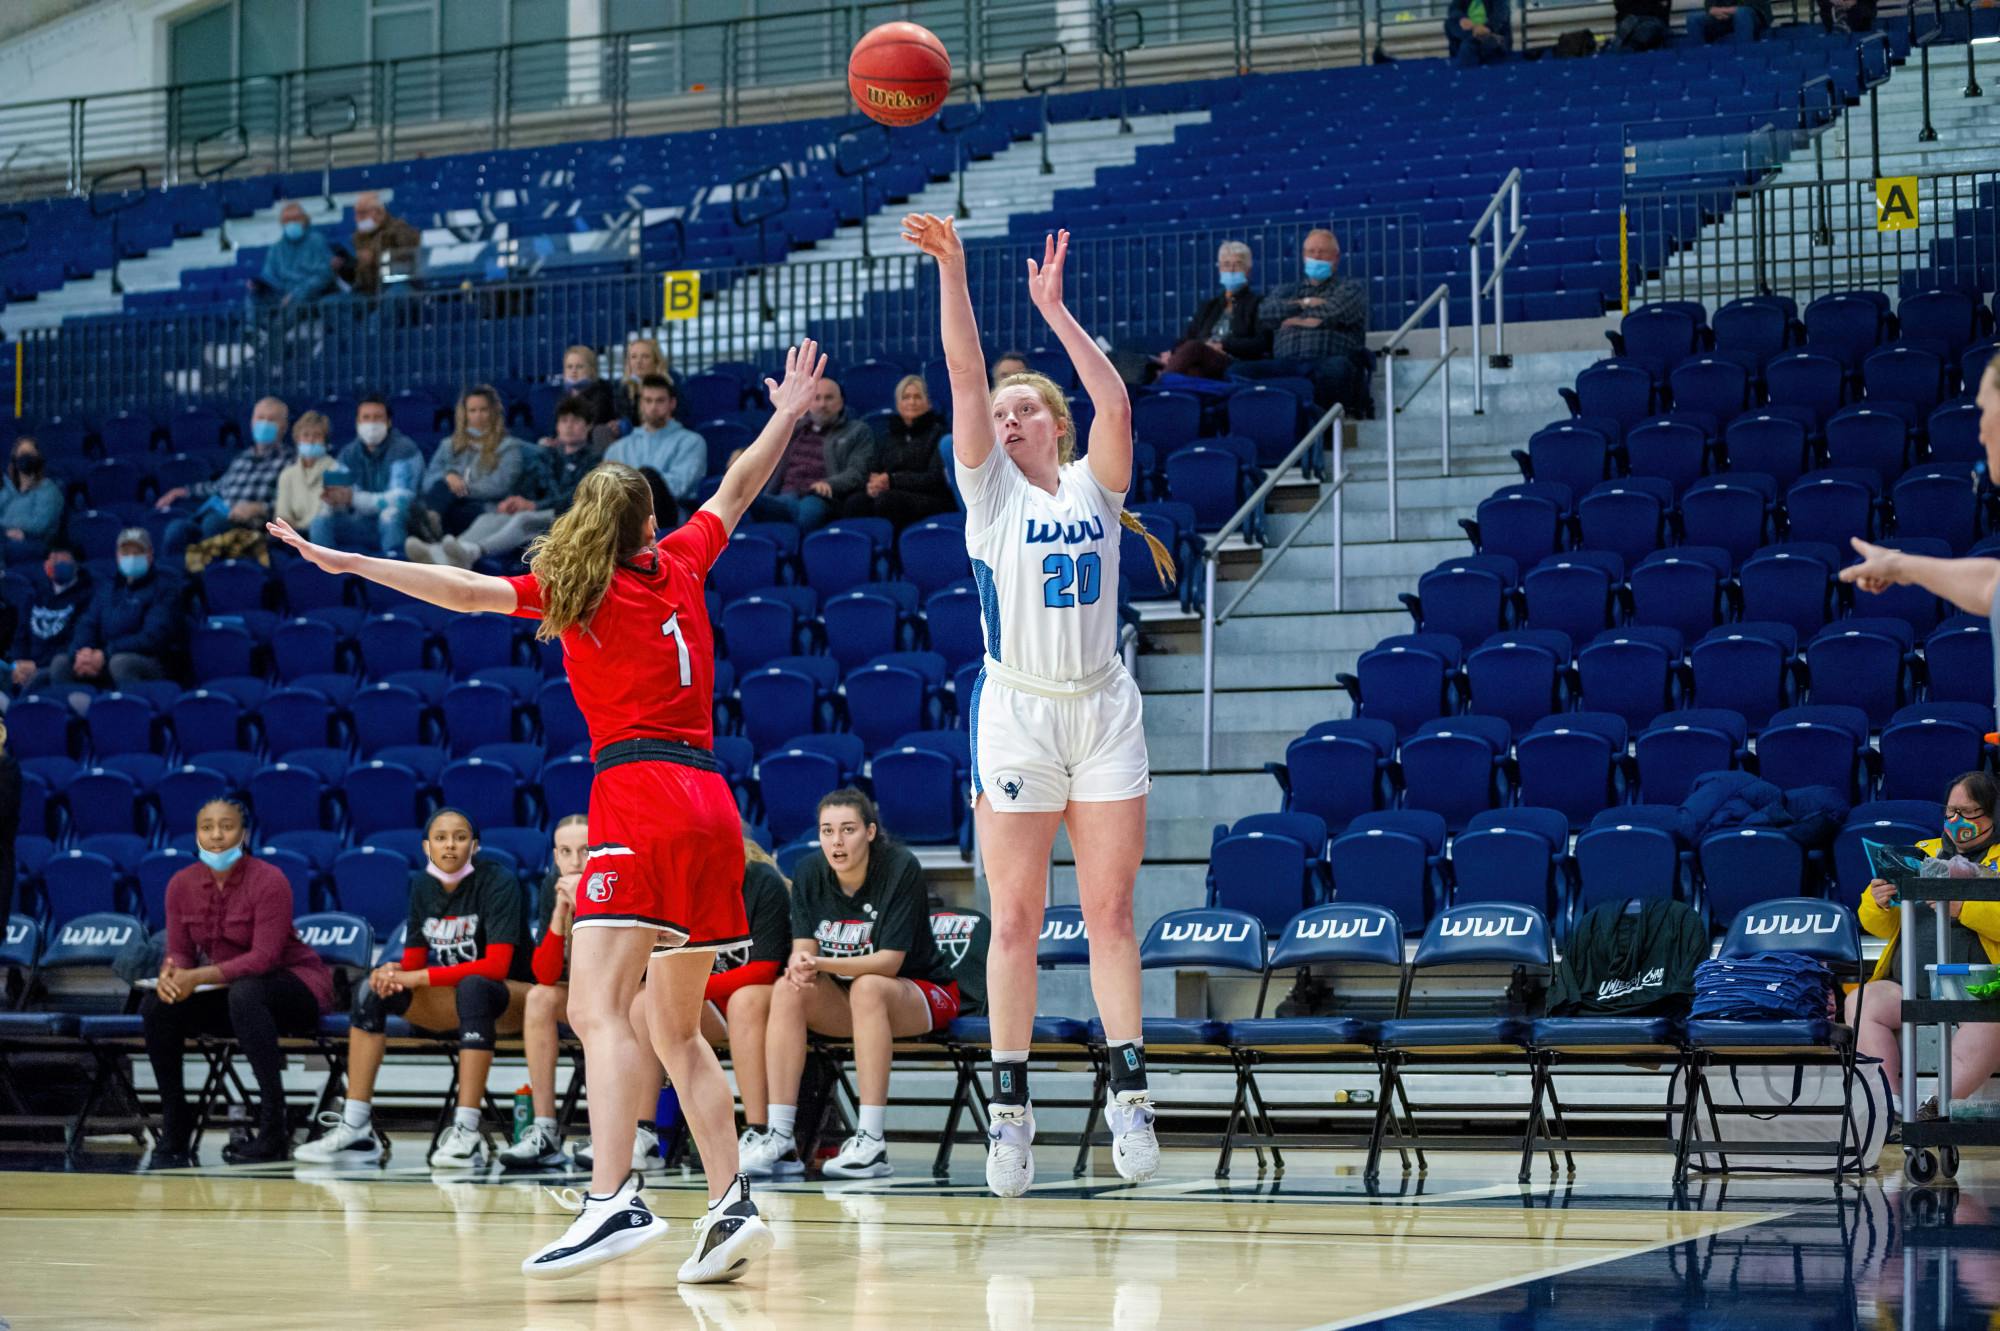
666,853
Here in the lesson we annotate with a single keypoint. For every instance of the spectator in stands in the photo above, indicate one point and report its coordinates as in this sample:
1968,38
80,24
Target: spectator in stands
236,968
10,827
133,625
579,380
1643,25
1225,328
643,358
1319,329
826,464
302,485
242,496
905,479
465,967
1009,363
1477,32
381,239
45,631
863,967
547,485
1745,21
366,498
739,992
31,504
1847,15
672,457
1969,833
298,268
474,468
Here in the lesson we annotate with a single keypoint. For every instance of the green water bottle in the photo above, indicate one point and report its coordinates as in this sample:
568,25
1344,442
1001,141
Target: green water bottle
524,1111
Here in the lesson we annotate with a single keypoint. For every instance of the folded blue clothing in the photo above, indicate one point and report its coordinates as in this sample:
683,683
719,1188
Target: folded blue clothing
1764,986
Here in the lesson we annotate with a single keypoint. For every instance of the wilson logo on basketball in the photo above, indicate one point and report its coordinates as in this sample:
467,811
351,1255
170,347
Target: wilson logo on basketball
895,99
599,887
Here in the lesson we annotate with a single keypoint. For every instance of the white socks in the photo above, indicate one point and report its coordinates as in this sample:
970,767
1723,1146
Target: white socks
784,1119
547,1125
468,1119
871,1119
357,1114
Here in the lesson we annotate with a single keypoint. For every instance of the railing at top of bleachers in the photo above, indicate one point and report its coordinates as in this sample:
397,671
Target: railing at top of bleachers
1501,222
1807,238
1127,289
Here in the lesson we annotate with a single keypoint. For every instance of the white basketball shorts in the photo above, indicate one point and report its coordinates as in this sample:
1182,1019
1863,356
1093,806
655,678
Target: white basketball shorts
1034,751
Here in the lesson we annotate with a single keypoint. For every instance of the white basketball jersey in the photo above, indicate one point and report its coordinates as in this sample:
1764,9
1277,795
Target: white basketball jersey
1046,566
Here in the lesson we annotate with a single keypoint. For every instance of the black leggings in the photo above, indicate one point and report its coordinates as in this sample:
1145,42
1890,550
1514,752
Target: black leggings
256,1009
481,1004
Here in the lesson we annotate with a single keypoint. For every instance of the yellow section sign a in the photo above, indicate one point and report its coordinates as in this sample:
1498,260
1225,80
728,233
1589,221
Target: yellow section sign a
681,296
1895,203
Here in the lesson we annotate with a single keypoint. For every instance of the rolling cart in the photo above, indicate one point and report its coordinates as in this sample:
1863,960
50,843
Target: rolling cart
1931,1150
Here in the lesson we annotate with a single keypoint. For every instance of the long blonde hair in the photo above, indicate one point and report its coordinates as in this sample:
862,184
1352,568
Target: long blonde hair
489,444
574,559
1058,407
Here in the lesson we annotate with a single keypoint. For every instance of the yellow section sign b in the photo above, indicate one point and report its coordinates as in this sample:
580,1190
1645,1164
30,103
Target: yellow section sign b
1895,203
681,295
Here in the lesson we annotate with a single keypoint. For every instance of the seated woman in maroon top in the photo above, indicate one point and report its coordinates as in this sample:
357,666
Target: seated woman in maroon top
234,966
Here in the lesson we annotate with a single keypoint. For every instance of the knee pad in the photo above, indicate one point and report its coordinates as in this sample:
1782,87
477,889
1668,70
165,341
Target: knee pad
481,1004
371,1011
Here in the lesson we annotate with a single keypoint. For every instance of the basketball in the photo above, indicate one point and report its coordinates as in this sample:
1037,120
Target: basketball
899,74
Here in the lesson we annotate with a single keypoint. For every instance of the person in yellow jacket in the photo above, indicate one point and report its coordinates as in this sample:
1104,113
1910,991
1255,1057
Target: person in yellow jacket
1973,935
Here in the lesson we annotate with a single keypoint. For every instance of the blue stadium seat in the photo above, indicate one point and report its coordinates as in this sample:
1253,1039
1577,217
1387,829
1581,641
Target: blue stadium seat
563,729
1935,502
381,796
1730,512
748,563
1569,453
1615,390
1680,589
1869,438
480,642
837,558
1885,822
1958,661
1525,528
1403,685
1635,672
232,586
392,643
1574,762
1467,598
1746,866
152,875
285,797
1618,860
1519,676
1749,668
1267,415
952,623
1716,385
1669,450
924,779
932,555
1806,379
1833,505
1925,745
1819,744
1657,337
104,800
1511,855
181,793
1868,663
1903,373
374,884
386,714
77,883
1789,583
782,699
1168,421
1769,443
1337,770
1751,329
477,713
1910,603
759,628
122,723
1453,770
1954,435
885,699
1269,865
1573,593
861,625
1390,859
1844,326
488,791
1680,746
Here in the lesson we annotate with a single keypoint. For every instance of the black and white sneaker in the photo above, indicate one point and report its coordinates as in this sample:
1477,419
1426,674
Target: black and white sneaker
537,1150
605,1228
861,1156
342,1144
727,1239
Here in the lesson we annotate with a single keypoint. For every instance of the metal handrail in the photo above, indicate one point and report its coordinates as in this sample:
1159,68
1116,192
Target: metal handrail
1441,298
1213,550
1509,193
1036,86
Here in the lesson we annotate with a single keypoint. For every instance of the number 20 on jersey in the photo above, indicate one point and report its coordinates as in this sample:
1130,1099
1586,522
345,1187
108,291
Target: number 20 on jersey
1083,573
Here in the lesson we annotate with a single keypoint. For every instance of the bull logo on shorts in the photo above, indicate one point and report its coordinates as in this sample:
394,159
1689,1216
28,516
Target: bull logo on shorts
1010,786
598,888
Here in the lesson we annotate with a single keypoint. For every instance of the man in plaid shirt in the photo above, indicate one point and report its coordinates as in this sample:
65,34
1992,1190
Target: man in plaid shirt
1319,330
243,494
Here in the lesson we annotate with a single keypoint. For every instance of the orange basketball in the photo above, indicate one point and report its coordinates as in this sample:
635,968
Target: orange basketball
899,74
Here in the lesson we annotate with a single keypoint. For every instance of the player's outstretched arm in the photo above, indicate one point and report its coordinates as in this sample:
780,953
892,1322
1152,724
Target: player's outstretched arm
964,358
451,588
1110,455
1969,584
754,467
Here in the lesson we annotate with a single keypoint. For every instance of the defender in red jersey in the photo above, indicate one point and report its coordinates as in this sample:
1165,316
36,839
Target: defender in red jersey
665,864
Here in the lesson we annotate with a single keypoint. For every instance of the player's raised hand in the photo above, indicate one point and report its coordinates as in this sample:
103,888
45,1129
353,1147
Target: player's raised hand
935,236
333,561
803,367
1879,569
1045,280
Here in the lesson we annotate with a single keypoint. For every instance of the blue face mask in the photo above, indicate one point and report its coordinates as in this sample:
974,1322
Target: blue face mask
295,231
312,452
1318,270
222,861
62,573
263,433
133,566
1233,281
474,432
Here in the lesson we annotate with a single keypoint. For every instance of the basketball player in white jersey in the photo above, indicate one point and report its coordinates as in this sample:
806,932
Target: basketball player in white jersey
1057,733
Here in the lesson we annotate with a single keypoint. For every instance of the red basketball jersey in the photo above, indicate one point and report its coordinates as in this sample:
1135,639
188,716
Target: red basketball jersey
644,667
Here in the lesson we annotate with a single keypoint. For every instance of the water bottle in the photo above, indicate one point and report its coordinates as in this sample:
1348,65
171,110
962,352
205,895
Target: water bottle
524,1111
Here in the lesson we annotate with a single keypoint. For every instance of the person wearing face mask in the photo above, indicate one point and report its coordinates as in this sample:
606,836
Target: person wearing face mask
863,966
1972,935
132,625
381,239
31,505
476,466
905,469
662,448
298,267
1319,330
242,496
47,625
465,968
826,465
1224,329
365,500
300,485
235,968
580,381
